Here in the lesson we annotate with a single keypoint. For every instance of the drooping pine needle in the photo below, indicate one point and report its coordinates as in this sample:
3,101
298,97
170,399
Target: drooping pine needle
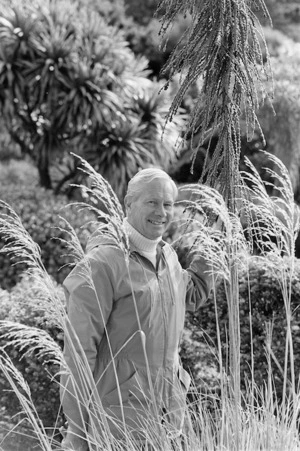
221,50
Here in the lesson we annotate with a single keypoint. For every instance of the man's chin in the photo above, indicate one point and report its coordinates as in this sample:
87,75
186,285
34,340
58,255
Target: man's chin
157,233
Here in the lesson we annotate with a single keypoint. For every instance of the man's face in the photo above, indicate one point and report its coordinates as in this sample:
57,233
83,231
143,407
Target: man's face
151,211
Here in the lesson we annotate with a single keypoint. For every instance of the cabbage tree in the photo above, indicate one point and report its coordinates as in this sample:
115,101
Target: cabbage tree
67,82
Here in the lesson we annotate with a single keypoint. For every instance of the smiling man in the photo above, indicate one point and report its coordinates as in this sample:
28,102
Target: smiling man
151,210
134,315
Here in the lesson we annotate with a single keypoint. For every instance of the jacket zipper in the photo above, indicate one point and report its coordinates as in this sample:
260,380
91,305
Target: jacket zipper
164,315
162,304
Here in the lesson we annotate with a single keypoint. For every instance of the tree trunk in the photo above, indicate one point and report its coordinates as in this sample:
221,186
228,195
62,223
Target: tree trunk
44,175
43,165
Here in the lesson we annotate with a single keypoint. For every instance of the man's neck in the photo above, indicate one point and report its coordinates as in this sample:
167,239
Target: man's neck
142,243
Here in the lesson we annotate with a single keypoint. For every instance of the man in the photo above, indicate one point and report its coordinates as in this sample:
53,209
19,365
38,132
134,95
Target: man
129,323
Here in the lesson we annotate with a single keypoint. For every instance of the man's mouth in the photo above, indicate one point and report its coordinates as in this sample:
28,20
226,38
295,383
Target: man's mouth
156,222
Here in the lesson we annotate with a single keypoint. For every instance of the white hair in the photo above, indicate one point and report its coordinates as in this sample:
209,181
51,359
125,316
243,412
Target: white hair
137,184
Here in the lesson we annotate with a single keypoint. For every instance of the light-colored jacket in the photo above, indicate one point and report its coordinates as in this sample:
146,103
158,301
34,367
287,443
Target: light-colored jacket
105,320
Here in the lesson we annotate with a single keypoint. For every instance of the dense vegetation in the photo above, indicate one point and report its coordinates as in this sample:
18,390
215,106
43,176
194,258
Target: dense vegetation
262,324
88,81
41,375
262,307
43,215
262,317
109,110
69,82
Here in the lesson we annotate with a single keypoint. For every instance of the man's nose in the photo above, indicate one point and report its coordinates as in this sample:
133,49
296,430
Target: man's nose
160,210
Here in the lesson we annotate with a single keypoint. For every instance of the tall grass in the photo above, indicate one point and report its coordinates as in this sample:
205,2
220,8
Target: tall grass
233,420
275,220
219,236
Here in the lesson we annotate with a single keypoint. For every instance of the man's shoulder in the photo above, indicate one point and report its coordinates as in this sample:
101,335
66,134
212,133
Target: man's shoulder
105,259
106,252
171,256
168,249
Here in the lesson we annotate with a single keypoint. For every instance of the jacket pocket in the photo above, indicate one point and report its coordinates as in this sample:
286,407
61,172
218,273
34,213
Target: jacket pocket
132,390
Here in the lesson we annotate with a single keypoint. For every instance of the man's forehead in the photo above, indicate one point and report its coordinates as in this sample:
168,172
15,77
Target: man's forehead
159,190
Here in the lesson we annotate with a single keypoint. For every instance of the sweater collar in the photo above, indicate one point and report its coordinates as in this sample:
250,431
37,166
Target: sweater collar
142,243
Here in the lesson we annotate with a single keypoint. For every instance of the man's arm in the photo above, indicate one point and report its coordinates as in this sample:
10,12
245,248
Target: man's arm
200,283
89,295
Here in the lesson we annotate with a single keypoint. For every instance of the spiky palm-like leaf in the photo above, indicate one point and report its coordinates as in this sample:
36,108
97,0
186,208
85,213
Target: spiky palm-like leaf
152,106
120,151
62,79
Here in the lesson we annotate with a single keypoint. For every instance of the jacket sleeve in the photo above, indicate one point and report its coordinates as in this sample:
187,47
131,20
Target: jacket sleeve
200,283
89,297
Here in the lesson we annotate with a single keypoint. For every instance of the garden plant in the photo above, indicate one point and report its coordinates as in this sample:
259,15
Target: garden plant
243,411
218,418
69,81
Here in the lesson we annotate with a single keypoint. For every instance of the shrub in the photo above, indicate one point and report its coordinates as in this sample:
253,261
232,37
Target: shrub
145,40
22,305
260,290
17,172
39,211
142,12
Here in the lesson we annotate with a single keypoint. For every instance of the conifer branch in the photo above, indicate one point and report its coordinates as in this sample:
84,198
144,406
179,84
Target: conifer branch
222,50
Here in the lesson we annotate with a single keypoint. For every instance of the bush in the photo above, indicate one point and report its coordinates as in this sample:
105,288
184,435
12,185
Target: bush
17,172
263,281
22,305
145,40
142,12
39,211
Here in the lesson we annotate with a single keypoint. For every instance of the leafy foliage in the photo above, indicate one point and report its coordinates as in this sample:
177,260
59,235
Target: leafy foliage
42,215
262,322
204,200
123,148
23,305
273,224
69,79
262,303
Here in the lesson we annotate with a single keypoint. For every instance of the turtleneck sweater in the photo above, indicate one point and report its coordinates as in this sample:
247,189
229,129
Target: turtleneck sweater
144,245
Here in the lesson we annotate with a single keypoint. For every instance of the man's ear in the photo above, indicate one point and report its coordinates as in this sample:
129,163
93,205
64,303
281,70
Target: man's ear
127,203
